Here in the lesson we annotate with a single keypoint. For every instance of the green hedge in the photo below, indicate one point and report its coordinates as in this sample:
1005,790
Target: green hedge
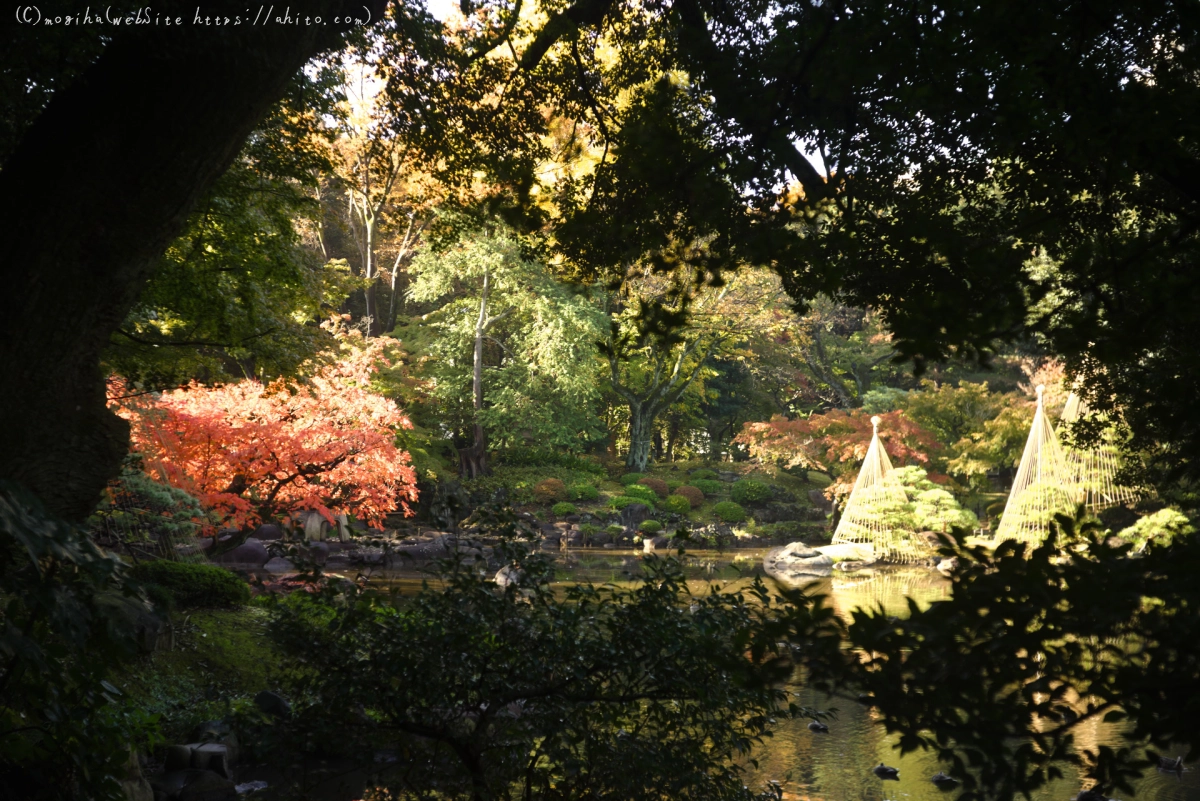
631,478
641,491
616,529
585,492
707,486
650,526
729,512
621,501
677,504
188,584
562,509
749,491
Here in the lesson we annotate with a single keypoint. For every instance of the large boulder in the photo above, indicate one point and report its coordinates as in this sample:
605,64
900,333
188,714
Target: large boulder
632,515
268,532
251,552
849,552
279,565
818,499
796,564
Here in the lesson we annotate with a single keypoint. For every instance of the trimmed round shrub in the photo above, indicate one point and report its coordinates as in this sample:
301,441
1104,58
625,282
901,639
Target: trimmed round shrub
650,526
703,475
631,478
657,484
676,504
729,512
621,501
588,529
693,494
749,491
562,509
550,490
190,584
586,492
616,529
641,491
673,484
707,486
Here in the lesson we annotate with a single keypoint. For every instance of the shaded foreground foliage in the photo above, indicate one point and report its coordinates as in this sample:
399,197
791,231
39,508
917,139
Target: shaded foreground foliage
594,692
64,622
1003,678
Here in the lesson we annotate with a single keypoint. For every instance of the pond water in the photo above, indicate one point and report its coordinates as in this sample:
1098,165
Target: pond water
837,766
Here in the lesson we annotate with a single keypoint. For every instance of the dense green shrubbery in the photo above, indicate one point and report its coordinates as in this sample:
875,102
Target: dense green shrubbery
677,504
588,529
703,475
621,501
1161,528
729,512
673,484
544,457
650,527
190,584
641,491
657,484
616,529
585,492
749,491
694,495
631,478
550,490
604,719
707,486
518,482
562,509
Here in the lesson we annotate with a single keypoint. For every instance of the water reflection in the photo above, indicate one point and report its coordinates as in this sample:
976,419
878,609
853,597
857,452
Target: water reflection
837,766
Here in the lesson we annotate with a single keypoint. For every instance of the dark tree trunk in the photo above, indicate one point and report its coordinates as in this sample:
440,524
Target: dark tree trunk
96,189
640,423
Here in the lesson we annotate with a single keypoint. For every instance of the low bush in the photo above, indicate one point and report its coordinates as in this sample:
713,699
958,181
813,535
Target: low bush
189,584
550,490
650,527
562,509
616,529
749,491
703,475
586,492
707,486
541,457
621,501
588,530
641,491
657,484
674,484
677,504
729,512
693,495
631,478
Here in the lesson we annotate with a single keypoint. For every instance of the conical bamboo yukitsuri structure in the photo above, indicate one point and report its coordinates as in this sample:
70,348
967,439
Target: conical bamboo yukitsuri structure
1094,471
875,506
1043,486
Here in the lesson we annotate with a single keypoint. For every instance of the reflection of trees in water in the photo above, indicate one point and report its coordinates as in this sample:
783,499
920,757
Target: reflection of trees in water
887,588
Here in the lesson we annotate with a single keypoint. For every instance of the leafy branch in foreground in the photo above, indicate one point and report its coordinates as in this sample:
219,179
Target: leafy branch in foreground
523,691
999,679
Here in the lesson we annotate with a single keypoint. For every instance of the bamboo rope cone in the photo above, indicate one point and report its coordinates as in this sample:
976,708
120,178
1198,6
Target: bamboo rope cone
875,502
1094,471
1043,486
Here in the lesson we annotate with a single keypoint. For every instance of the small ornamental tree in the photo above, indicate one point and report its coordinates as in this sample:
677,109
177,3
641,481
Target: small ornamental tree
255,452
836,442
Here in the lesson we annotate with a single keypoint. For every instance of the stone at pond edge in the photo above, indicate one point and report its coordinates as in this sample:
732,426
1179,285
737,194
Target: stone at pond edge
279,565
273,704
507,576
633,515
796,564
250,552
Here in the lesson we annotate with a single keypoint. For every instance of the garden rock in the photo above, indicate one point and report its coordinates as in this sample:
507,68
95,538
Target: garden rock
727,476
849,552
318,552
251,552
273,704
633,515
651,544
507,576
193,785
796,564
947,566
268,532
218,731
279,565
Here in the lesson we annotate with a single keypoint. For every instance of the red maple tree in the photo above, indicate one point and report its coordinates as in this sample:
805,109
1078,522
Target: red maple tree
253,452
836,442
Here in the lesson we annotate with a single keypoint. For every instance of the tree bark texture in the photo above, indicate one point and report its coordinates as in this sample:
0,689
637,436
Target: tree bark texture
96,189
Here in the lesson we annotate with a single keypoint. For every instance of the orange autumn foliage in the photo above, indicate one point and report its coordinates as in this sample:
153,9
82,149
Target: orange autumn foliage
836,442
253,452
